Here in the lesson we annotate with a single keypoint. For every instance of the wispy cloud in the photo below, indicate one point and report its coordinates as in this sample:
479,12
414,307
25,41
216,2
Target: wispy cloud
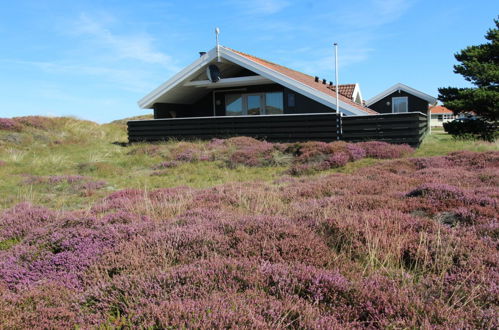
128,79
373,13
138,47
261,7
357,27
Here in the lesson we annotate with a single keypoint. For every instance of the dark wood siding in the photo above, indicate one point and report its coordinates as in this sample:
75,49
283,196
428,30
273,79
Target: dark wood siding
407,128
415,103
320,127
394,128
303,104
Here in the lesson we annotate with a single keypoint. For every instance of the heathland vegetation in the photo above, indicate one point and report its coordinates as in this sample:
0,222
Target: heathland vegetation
243,233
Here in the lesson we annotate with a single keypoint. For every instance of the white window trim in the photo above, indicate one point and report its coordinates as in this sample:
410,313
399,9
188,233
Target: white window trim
406,102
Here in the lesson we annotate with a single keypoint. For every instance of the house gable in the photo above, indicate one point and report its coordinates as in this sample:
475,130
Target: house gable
416,101
188,86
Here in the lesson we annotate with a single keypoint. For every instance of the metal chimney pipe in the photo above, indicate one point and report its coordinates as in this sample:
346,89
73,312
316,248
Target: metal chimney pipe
217,32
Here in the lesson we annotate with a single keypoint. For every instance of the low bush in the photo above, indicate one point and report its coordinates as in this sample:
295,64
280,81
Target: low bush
302,157
8,124
472,129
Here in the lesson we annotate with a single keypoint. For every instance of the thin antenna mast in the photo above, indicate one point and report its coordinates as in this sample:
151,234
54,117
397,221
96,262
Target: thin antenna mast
336,72
217,32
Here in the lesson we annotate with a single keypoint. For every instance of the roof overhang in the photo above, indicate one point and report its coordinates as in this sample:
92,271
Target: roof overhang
401,87
181,84
230,82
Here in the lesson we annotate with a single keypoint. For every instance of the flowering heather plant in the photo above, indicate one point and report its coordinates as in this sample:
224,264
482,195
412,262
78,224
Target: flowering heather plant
355,151
43,123
338,159
383,150
8,124
400,244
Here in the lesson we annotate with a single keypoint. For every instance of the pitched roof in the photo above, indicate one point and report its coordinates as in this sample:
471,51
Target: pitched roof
430,99
178,88
307,80
438,109
345,90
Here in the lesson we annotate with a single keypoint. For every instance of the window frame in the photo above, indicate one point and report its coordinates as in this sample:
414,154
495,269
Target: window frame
398,98
263,102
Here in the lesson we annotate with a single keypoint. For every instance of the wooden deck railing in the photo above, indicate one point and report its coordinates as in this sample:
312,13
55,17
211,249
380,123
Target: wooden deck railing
394,128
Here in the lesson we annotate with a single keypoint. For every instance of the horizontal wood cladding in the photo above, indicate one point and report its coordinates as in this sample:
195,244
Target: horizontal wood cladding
290,128
407,128
397,128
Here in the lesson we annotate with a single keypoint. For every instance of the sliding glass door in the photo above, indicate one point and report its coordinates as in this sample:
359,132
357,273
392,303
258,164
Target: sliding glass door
254,104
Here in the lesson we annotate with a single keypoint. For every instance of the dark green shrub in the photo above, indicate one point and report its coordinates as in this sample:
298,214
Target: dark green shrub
472,129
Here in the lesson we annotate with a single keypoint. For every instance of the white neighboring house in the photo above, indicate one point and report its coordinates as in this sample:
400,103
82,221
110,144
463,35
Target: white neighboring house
441,115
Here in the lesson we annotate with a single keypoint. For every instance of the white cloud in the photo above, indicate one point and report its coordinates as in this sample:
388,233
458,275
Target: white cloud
132,80
373,13
135,47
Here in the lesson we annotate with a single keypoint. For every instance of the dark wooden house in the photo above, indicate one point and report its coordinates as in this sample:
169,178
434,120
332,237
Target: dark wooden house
401,98
226,93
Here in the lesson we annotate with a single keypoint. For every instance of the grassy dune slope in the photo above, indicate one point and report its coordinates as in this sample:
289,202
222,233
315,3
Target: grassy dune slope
243,233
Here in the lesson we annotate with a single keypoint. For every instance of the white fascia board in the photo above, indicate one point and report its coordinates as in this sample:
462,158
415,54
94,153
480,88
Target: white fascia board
147,101
292,84
404,88
230,82
356,91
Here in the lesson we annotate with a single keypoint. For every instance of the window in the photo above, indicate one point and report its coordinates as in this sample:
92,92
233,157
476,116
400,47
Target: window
233,105
254,104
273,103
400,104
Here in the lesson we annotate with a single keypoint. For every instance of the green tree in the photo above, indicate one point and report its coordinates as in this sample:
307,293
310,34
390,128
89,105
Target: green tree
480,66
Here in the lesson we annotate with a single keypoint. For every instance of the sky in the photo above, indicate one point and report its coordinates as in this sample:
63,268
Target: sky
95,59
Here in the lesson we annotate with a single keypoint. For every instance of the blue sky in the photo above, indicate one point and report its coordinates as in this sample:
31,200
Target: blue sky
96,59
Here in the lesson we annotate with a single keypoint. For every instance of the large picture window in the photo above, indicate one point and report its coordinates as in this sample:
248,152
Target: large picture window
254,104
273,103
233,104
400,104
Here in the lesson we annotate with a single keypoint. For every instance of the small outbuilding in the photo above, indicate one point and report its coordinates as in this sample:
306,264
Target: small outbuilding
401,98
441,115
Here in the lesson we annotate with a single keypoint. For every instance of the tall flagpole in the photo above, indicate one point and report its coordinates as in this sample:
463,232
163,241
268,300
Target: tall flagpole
337,84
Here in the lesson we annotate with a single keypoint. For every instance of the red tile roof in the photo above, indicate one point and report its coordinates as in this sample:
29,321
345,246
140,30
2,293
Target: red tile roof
345,90
304,79
438,109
